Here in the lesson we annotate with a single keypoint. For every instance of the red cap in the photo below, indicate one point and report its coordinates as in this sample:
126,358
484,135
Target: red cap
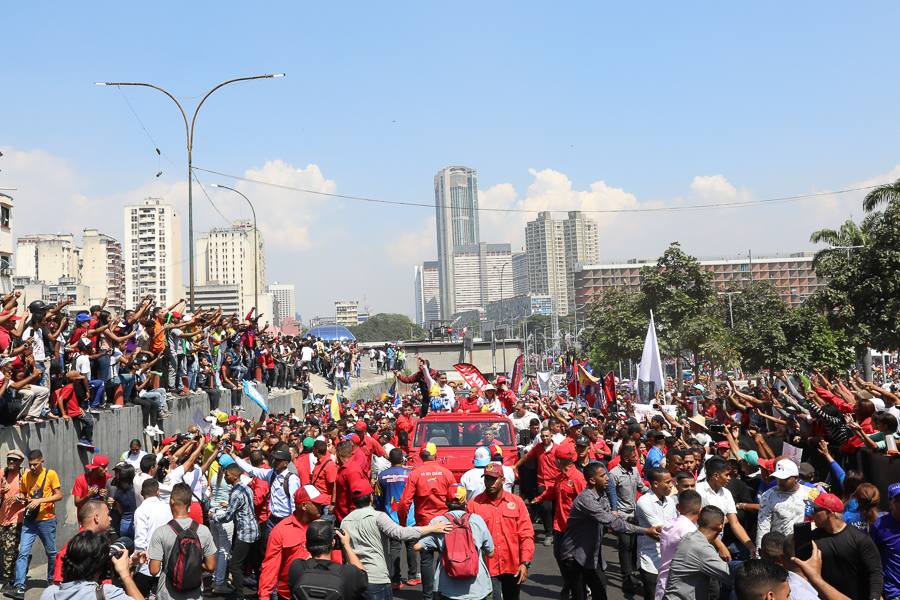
309,493
168,440
12,318
767,464
501,379
493,470
99,461
565,452
722,445
356,439
360,487
361,425
827,501
177,315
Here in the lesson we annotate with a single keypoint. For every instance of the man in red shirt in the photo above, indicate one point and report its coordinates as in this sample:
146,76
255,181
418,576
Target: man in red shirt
569,483
406,422
427,486
543,452
93,516
572,434
599,449
92,484
287,542
324,473
508,521
506,396
358,456
369,444
347,471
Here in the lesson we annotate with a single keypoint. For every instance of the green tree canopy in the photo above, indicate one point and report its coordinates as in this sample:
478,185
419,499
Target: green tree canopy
387,327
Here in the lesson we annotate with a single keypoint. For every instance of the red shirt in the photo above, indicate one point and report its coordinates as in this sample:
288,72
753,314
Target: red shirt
546,463
507,400
304,471
260,489
287,543
469,404
323,475
343,500
510,526
405,424
597,447
427,485
70,400
364,462
371,446
564,490
82,484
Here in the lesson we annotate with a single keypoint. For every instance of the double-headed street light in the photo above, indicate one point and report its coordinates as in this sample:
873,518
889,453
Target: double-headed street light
189,131
255,246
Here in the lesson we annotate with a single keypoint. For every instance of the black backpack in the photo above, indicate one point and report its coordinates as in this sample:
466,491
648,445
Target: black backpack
320,582
183,569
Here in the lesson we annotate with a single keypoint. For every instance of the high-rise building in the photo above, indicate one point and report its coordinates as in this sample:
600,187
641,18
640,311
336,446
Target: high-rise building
346,313
456,208
284,292
545,247
582,240
520,273
482,273
102,269
48,257
555,250
152,250
226,256
428,294
6,243
215,294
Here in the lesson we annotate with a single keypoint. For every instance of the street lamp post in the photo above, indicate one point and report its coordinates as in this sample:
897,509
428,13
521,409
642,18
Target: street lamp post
189,131
730,294
255,246
847,248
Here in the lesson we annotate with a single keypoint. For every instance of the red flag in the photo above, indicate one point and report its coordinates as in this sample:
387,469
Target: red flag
471,375
609,386
517,374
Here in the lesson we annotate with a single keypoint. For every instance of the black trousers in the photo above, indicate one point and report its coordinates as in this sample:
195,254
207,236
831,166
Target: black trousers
240,552
578,577
505,586
412,560
145,583
627,547
545,511
649,582
149,410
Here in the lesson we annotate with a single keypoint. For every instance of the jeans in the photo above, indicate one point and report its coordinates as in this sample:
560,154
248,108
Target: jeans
46,530
103,371
127,380
577,577
193,370
412,560
158,395
427,569
97,389
221,533
87,426
506,586
240,552
126,527
379,591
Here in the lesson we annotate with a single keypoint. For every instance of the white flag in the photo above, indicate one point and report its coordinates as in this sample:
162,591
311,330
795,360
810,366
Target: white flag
255,395
543,380
651,368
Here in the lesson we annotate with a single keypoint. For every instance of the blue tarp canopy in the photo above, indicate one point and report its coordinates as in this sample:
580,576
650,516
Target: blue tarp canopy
331,332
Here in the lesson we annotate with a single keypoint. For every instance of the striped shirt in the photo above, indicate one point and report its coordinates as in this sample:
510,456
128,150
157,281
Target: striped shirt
240,510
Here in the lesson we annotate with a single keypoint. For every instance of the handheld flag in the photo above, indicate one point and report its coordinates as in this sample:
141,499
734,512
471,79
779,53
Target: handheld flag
471,375
254,395
650,369
334,408
394,392
516,373
609,387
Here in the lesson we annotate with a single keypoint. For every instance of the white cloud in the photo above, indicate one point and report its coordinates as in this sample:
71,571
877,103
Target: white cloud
414,247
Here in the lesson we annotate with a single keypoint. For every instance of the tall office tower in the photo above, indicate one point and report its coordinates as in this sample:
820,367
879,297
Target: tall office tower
520,273
226,256
48,257
582,240
152,249
482,273
428,293
456,208
545,248
102,269
6,243
284,293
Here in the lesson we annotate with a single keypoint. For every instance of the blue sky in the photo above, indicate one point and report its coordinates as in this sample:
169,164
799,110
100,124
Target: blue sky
558,105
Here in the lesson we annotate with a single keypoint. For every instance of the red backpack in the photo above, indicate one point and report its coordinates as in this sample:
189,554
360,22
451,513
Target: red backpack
459,556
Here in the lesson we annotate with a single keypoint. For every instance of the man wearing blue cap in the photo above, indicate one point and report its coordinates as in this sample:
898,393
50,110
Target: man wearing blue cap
885,532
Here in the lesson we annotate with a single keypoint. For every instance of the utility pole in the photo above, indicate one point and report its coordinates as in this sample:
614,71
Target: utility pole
730,312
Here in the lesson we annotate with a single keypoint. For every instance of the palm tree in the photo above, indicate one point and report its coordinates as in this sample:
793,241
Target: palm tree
850,234
883,194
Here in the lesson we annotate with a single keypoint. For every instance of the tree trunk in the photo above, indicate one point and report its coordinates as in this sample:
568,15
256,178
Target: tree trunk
679,378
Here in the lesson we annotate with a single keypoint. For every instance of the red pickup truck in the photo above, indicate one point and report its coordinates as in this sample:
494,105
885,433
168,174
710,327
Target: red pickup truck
457,435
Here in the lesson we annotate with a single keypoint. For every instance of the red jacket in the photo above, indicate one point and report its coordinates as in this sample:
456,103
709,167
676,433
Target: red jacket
427,485
564,490
510,526
507,399
287,543
343,499
546,463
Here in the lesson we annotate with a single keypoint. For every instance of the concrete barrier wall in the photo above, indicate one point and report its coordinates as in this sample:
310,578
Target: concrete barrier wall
113,431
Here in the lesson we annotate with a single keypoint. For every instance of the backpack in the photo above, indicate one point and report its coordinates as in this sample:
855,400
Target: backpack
459,556
320,583
183,568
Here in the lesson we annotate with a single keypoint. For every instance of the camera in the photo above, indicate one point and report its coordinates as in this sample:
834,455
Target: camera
337,540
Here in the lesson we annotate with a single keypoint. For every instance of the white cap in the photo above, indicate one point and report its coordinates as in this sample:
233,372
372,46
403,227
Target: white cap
785,468
482,456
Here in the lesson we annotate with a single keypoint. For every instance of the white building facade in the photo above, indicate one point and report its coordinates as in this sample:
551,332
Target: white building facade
152,252
225,255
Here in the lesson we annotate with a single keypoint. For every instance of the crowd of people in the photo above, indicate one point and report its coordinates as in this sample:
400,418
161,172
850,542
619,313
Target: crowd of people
704,497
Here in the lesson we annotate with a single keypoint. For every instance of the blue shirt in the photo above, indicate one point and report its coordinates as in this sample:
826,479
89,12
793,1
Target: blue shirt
463,589
885,532
654,458
240,510
392,482
280,505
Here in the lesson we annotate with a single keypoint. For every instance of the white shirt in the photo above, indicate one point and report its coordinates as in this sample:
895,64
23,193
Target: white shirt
523,422
652,512
195,479
558,438
152,514
37,346
83,365
721,499
306,354
134,461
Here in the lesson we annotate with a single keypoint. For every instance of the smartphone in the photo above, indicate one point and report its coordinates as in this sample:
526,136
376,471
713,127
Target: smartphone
803,540
678,432
717,429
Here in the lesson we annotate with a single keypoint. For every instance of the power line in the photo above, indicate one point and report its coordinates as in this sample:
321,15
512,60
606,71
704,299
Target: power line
713,206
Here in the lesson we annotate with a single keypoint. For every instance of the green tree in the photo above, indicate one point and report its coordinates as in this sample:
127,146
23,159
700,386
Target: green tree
618,327
387,327
882,195
828,260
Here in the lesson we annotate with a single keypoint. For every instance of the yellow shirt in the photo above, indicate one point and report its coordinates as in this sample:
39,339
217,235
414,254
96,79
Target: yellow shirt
50,481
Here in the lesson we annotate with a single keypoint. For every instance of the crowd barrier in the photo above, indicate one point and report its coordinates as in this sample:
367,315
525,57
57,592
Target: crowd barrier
113,431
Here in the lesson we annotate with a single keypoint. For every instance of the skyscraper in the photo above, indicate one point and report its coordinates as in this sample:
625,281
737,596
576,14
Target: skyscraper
482,273
555,250
456,208
152,250
520,273
226,256
428,301
284,292
102,269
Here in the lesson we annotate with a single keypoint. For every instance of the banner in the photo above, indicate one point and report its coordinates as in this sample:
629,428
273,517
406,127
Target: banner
516,374
394,392
334,408
609,389
644,412
471,375
255,395
588,384
650,370
543,381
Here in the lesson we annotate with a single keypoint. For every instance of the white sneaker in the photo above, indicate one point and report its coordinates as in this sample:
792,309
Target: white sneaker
116,406
148,430
158,431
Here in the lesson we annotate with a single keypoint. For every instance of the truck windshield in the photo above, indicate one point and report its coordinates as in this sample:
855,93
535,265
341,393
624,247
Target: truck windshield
463,433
